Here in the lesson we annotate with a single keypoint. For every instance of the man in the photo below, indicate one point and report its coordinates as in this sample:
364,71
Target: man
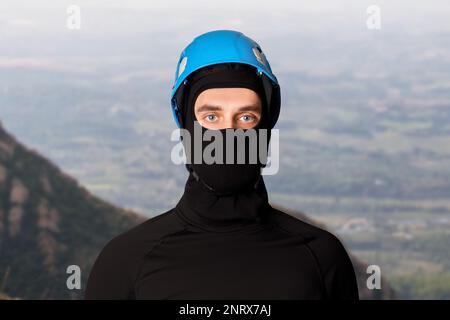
223,240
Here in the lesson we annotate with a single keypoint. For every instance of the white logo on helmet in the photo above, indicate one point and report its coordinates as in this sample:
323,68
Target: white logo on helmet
259,55
182,66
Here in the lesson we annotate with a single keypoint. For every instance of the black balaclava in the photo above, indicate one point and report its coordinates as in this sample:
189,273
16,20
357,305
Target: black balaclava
225,178
223,193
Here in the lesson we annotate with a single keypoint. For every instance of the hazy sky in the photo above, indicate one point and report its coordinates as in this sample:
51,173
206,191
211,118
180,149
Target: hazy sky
34,33
41,19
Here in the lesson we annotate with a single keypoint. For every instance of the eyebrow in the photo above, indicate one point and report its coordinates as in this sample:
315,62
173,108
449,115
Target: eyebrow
209,107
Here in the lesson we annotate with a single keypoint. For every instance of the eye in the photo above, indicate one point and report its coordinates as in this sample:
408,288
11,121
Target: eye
247,118
211,117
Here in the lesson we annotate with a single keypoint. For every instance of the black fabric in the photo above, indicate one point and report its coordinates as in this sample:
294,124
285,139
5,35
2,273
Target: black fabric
171,256
223,177
223,194
228,178
223,240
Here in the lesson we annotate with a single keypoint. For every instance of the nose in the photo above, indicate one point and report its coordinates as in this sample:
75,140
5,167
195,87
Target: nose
229,123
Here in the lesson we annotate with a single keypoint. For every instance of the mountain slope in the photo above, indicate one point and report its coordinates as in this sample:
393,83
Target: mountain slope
48,222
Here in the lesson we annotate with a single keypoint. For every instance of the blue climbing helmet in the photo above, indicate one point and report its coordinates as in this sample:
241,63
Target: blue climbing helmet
224,46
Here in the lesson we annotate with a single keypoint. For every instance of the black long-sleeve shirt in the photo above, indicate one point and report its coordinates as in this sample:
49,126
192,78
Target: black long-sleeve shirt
209,248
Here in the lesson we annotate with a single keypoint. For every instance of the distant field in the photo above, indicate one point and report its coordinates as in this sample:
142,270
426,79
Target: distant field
362,142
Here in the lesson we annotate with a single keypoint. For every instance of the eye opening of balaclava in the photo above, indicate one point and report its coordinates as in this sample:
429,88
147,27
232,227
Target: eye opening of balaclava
224,178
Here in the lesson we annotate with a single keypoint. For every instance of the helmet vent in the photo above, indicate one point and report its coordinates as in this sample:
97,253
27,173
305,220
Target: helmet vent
259,55
182,66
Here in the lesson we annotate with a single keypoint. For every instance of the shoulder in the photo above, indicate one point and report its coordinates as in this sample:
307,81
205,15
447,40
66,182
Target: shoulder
140,239
324,245
114,271
328,252
301,226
